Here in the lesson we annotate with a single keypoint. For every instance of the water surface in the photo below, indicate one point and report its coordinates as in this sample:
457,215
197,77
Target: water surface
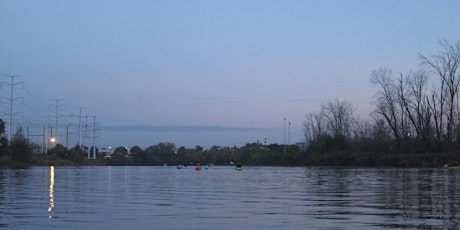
223,198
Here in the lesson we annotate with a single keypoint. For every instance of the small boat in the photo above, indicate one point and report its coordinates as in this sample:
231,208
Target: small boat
198,167
239,167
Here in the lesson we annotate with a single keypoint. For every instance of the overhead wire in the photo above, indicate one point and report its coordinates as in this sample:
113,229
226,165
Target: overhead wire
37,118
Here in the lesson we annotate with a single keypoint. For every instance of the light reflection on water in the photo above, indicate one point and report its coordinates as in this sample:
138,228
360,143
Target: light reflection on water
222,198
51,206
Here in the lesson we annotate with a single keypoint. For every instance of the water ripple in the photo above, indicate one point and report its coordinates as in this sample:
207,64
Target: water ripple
258,198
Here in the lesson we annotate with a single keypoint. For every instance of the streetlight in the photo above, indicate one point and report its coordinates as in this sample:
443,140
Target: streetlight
52,140
284,137
289,133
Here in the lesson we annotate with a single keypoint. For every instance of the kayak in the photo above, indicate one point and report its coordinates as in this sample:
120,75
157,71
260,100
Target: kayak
454,167
239,168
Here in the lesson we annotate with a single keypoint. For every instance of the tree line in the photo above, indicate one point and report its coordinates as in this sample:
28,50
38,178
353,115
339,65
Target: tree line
19,152
166,153
415,122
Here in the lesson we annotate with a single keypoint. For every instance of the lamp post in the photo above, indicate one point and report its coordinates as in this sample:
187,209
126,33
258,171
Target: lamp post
284,144
49,142
289,133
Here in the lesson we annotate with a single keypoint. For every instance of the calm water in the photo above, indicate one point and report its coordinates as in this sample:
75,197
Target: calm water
222,198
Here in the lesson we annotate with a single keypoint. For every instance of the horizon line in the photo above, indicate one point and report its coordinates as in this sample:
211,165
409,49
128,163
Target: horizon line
180,128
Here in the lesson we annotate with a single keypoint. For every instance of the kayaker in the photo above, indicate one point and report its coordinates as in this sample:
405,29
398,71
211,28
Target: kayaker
445,165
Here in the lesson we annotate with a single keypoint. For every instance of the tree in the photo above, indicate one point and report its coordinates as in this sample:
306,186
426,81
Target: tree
4,150
135,150
198,148
445,64
167,153
415,104
313,127
141,157
120,150
76,155
339,117
386,100
331,128
21,150
59,151
151,154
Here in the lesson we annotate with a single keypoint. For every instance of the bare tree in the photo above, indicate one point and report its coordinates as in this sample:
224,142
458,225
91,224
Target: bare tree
435,103
313,127
445,64
361,130
411,96
339,116
420,113
403,101
386,100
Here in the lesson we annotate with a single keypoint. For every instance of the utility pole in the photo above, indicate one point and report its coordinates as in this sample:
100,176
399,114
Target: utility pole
57,106
11,99
67,137
57,113
289,133
48,141
44,140
80,131
87,135
94,137
27,130
284,137
94,140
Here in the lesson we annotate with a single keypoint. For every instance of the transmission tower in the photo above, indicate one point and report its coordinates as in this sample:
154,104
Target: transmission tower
57,106
11,99
94,137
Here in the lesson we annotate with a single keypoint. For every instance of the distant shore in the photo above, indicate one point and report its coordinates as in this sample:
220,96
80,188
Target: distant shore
421,160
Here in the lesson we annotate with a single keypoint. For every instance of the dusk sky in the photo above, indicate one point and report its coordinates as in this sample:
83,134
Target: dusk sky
197,72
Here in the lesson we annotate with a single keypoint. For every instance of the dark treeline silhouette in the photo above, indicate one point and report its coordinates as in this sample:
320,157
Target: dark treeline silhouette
166,153
415,123
20,152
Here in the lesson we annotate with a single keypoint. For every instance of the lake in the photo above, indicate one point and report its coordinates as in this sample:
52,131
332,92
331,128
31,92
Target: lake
109,197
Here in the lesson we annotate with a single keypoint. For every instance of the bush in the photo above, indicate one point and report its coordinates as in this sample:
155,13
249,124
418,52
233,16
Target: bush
21,150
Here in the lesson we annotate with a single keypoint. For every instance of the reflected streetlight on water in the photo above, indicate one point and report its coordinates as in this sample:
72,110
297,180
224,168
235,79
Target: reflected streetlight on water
51,191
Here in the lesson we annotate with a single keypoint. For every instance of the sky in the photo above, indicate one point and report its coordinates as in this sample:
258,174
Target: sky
202,72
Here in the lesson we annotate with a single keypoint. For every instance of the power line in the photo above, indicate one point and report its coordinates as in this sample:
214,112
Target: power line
39,117
35,98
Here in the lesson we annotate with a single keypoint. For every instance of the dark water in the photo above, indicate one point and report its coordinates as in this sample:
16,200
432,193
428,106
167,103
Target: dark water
223,198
